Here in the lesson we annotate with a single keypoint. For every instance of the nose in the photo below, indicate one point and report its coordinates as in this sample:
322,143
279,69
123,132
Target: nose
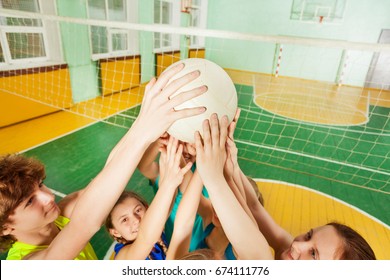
45,197
137,219
301,250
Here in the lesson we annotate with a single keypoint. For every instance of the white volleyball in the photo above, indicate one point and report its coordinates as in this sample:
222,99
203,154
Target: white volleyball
220,98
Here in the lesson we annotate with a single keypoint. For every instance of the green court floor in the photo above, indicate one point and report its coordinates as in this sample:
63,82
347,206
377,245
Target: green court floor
75,159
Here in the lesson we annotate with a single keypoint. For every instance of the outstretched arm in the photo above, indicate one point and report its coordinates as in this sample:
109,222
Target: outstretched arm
232,173
185,218
211,157
156,115
232,170
277,237
148,165
233,178
152,224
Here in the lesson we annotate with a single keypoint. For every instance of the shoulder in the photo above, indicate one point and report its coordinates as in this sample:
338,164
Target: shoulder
118,247
20,251
122,251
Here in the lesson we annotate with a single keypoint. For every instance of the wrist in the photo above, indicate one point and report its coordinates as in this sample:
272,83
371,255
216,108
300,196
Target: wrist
214,181
142,135
168,186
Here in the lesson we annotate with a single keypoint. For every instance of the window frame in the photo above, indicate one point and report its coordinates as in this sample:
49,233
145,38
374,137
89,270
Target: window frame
202,24
22,30
174,20
52,46
131,7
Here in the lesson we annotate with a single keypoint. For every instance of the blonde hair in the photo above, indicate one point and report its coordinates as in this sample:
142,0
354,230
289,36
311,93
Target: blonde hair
256,189
202,254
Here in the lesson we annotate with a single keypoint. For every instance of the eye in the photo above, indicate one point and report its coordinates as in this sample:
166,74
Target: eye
29,201
124,220
313,254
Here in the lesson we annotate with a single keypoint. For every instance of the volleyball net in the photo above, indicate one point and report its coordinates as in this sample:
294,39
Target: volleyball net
311,106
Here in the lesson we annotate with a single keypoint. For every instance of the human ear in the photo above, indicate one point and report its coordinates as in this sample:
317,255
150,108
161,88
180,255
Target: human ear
114,233
6,229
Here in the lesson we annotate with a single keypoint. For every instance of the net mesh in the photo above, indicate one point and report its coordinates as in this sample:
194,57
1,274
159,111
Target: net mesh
313,112
320,115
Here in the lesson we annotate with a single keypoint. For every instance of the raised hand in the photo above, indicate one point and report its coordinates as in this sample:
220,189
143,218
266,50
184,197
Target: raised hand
231,148
231,159
211,154
157,110
171,172
189,152
210,160
162,141
233,124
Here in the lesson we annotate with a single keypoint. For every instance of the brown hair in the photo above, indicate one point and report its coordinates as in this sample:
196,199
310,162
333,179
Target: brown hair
355,247
125,195
18,174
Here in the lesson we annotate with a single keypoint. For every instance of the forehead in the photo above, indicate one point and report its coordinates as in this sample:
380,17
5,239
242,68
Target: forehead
20,205
26,194
327,241
126,205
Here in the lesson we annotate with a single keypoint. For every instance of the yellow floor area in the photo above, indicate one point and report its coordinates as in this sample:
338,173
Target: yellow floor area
312,101
28,134
25,135
15,109
104,106
298,209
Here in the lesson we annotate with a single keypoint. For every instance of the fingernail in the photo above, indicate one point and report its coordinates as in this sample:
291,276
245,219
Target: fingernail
195,73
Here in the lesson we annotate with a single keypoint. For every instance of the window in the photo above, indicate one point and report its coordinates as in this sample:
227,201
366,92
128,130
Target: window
109,41
166,12
169,12
22,40
198,18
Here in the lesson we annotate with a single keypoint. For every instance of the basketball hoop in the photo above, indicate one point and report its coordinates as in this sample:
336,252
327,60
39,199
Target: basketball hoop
186,6
323,12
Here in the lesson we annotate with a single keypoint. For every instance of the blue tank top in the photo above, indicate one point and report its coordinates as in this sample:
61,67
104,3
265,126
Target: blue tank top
229,255
157,252
197,230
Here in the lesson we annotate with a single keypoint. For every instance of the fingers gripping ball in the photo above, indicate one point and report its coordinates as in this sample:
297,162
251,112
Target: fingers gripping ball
220,98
